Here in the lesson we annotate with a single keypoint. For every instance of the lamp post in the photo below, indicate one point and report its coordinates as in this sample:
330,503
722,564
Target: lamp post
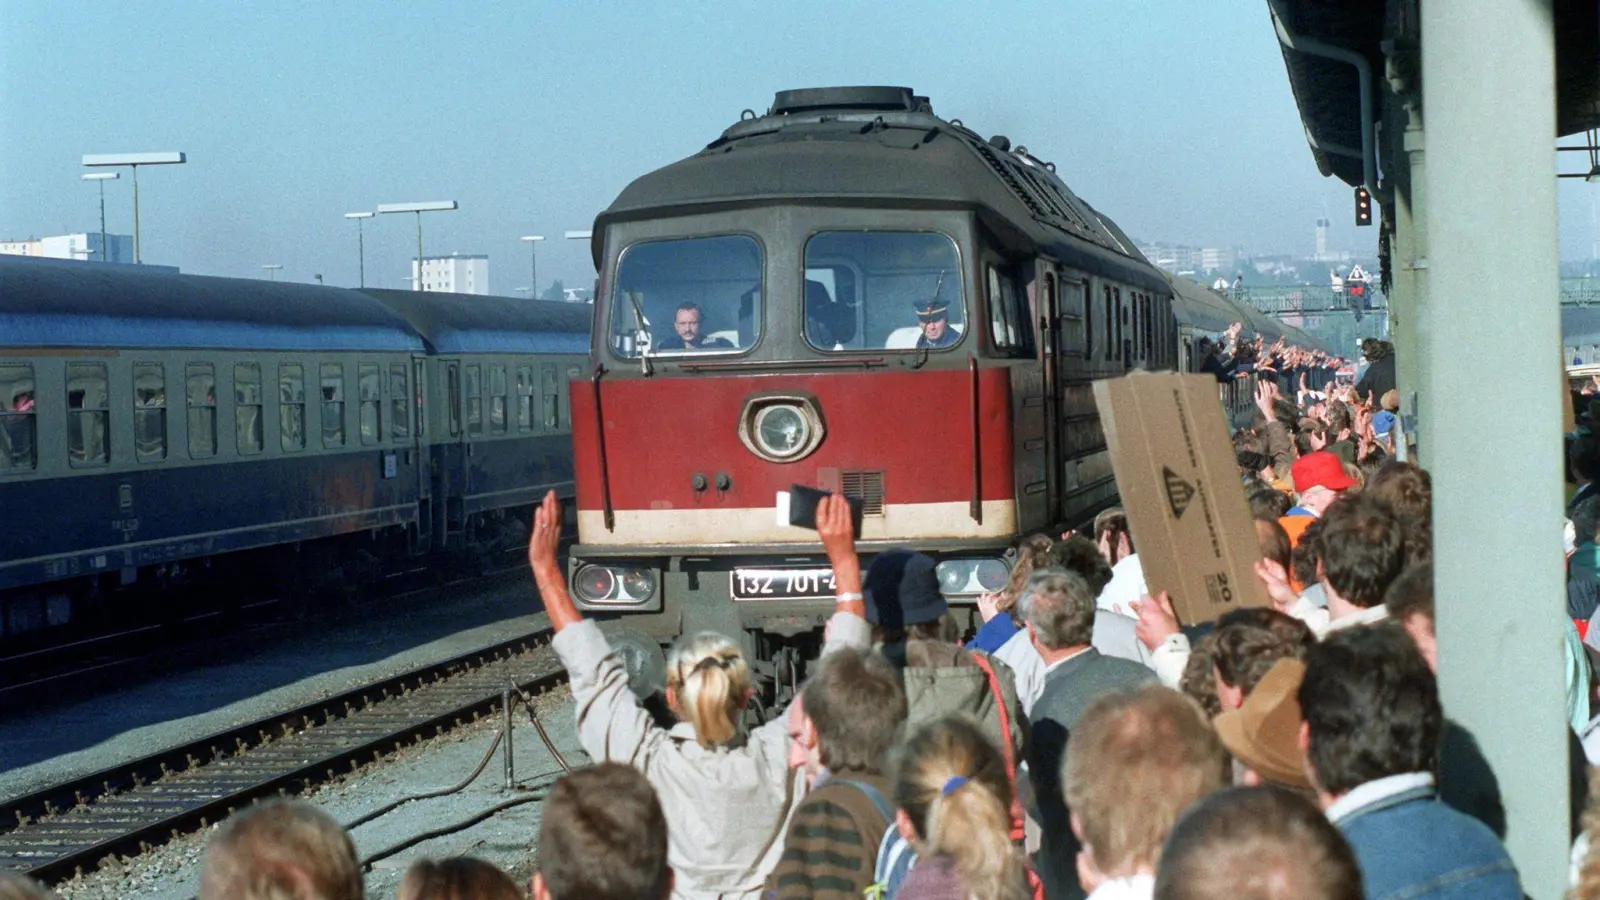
419,209
134,161
361,242
272,271
533,264
101,178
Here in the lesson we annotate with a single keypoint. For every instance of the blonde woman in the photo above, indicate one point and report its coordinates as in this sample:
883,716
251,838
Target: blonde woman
726,794
954,810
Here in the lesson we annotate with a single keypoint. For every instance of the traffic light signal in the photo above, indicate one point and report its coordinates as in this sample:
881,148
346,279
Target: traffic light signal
1363,206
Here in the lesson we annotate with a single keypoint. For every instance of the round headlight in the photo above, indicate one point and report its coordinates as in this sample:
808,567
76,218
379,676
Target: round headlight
992,575
638,584
781,430
594,584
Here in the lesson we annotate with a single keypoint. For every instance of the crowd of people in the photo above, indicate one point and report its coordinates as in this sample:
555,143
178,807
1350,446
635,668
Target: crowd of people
1083,742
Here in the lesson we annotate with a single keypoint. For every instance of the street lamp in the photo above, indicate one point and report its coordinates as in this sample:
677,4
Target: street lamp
533,264
102,178
272,271
134,161
419,209
579,235
361,242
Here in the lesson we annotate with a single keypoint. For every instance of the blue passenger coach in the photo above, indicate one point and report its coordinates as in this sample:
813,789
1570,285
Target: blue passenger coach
154,425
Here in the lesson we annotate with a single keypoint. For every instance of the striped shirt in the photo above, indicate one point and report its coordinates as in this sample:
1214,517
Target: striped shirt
832,843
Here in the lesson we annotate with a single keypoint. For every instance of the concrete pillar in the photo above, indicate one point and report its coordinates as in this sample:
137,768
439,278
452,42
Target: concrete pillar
1488,86
1411,263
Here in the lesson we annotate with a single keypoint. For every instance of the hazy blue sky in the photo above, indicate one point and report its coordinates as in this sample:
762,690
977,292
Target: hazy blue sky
1172,116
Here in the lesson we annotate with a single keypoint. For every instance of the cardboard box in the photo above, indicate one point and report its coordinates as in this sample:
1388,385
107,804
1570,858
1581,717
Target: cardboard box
1180,485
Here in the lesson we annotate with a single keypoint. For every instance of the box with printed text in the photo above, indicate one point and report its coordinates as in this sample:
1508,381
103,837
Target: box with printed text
1180,485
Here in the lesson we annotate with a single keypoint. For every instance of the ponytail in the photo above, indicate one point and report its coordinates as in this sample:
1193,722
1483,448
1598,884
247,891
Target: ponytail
709,674
951,782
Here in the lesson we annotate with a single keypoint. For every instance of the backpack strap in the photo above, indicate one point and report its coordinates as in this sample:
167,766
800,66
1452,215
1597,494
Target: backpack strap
873,794
1006,750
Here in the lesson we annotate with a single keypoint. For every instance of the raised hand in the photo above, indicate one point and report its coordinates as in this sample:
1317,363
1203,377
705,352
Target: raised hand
1157,620
545,540
836,527
1276,581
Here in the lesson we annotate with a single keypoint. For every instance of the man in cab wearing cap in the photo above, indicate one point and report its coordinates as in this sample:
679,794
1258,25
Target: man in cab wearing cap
934,318
1319,479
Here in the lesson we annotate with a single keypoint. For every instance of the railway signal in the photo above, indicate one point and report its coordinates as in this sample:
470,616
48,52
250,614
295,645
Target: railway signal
1363,206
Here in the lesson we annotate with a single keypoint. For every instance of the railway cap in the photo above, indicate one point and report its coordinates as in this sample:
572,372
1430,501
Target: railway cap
902,589
929,310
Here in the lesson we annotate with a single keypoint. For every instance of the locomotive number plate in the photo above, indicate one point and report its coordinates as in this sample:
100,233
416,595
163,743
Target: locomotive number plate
782,584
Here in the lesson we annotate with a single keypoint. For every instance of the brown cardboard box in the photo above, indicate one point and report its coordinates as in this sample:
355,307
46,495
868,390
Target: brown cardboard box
1180,486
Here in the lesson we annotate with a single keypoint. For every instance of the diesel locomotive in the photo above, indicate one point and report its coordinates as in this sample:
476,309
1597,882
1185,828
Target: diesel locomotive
847,292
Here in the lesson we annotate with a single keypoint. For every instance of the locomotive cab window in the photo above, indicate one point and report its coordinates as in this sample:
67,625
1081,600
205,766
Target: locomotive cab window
695,295
202,392
149,412
1003,311
89,408
890,290
17,426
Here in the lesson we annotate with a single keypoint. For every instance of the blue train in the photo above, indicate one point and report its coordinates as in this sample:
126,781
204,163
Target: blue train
158,427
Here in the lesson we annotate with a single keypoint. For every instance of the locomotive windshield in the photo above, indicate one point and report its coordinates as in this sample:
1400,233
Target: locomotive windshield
696,295
870,290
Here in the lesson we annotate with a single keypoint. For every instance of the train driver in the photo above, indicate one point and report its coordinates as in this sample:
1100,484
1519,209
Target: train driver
687,336
934,318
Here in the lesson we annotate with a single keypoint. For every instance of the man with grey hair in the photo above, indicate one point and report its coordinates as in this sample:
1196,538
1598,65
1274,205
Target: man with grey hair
1058,609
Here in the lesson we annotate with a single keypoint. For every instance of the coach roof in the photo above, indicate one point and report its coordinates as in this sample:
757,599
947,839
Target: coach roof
473,323
61,303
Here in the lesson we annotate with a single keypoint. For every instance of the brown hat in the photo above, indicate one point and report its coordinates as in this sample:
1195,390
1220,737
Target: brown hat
1264,733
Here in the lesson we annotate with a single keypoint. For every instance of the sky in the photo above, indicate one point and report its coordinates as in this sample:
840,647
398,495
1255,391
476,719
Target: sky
1175,118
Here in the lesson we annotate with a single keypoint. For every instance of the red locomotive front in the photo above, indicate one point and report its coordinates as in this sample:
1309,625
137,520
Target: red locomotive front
844,294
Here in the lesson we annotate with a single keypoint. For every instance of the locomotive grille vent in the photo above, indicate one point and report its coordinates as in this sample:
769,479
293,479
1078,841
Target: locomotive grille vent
866,486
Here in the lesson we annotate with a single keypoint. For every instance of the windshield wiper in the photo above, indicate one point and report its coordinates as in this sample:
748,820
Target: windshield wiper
640,326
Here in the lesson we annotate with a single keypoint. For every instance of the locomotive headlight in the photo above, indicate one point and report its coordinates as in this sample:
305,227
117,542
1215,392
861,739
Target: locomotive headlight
781,426
614,585
782,430
971,577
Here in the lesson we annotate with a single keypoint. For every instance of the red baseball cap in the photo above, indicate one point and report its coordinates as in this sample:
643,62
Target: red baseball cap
1320,469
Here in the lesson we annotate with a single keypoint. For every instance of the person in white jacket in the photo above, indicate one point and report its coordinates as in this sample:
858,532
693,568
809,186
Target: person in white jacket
727,794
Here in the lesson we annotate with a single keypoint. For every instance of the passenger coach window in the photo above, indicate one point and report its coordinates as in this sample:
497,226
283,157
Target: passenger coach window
17,428
332,405
247,407
697,295
474,394
524,398
202,382
369,387
149,412
399,402
292,407
888,290
497,399
552,400
89,411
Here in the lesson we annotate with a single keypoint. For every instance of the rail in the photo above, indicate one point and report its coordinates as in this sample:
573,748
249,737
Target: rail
69,828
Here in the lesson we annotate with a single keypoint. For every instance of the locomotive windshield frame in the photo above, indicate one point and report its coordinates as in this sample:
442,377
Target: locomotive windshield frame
783,333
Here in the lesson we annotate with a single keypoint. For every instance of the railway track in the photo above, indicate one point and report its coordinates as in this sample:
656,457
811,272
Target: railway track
69,828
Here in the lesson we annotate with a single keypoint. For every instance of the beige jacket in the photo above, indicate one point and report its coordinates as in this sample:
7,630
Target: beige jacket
727,808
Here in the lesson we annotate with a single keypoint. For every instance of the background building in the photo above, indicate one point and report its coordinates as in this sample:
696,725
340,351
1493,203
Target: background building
119,247
455,273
